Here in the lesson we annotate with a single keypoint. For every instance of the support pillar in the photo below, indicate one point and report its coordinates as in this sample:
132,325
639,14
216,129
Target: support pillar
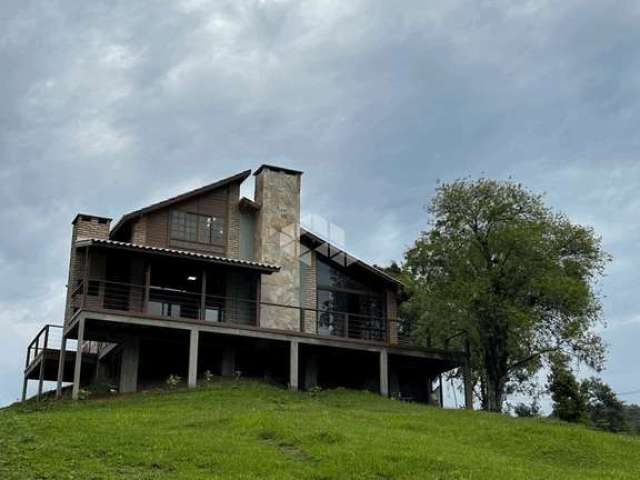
25,383
41,375
129,365
293,366
193,358
228,362
78,364
63,347
384,373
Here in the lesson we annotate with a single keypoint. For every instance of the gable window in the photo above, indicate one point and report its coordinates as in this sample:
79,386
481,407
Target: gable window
194,227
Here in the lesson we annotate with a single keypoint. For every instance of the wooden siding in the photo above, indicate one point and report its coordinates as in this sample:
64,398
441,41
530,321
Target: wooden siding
158,223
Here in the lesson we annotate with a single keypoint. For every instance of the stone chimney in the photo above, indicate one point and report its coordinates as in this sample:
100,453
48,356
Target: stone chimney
277,240
84,227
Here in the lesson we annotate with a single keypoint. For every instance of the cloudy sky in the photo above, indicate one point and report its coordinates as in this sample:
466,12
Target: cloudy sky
107,106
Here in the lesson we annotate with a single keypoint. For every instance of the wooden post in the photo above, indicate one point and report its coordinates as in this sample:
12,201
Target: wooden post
293,365
63,346
203,296
258,298
193,358
147,286
441,391
384,373
78,364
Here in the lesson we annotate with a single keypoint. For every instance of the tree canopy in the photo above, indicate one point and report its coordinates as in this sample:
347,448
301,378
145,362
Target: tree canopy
519,278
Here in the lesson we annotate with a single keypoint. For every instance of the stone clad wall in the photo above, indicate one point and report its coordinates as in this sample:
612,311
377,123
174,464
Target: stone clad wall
277,241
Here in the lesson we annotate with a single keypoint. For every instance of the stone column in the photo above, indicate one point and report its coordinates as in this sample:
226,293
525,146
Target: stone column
277,240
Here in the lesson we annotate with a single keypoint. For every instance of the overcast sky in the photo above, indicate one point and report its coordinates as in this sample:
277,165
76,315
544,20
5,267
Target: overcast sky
107,106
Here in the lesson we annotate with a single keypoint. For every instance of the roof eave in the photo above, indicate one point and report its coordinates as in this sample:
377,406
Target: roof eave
176,253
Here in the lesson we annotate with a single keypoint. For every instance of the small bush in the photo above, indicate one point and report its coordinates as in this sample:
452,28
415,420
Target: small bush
84,394
315,390
173,381
207,376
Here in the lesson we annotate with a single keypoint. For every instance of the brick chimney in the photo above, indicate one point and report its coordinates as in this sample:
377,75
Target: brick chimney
277,240
84,227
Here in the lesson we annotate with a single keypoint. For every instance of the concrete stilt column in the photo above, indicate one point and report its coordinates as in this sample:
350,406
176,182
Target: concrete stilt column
129,365
193,358
384,373
25,383
293,365
228,362
63,347
78,363
41,377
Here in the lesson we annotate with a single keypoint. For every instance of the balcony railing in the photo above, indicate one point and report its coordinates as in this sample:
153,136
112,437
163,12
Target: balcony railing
186,305
49,338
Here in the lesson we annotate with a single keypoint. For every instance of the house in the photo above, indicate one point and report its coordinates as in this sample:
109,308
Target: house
209,281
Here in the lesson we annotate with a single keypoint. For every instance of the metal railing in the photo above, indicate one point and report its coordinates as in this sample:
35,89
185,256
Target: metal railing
177,304
48,338
189,305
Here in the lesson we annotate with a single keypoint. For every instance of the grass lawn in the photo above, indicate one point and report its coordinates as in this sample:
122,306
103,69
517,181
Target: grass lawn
250,430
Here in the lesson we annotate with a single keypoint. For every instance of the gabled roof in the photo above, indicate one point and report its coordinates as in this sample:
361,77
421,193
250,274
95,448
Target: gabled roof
340,256
260,266
240,177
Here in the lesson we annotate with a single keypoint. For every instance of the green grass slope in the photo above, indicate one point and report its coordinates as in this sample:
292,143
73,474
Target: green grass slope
234,430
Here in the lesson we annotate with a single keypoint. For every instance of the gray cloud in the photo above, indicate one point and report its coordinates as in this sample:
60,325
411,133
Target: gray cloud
110,105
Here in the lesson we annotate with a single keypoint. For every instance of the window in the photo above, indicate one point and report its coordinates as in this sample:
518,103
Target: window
349,306
193,227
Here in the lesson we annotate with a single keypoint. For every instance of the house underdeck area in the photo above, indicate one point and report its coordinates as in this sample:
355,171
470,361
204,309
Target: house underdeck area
298,361
139,316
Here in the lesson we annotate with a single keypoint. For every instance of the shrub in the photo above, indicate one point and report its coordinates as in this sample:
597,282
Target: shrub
173,381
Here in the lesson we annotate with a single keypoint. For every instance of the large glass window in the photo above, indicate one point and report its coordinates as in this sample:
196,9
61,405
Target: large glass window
193,227
349,306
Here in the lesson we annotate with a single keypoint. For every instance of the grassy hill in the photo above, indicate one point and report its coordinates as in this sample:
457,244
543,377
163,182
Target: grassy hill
250,430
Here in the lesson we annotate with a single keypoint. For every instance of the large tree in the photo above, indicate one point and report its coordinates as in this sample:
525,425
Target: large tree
518,278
